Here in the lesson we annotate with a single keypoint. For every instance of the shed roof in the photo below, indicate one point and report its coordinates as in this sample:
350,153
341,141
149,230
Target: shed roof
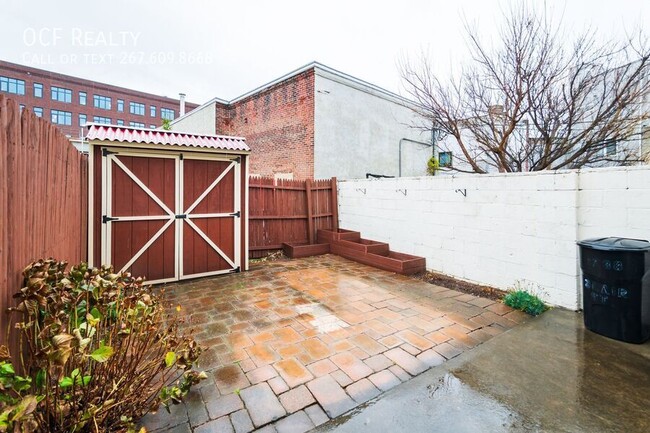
124,134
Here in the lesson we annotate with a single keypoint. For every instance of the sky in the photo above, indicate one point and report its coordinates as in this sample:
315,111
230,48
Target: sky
212,48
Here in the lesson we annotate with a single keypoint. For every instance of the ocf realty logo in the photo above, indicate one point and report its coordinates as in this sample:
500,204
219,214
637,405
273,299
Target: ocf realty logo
78,37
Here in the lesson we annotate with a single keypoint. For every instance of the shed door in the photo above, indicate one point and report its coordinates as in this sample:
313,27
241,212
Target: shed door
210,221
167,217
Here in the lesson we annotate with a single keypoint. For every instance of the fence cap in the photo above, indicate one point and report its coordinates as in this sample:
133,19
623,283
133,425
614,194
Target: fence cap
616,244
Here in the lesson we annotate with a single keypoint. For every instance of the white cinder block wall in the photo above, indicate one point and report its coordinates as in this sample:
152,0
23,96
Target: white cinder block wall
507,228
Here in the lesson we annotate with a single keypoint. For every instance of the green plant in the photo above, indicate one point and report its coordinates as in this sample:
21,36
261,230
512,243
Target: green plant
433,165
98,351
525,301
167,124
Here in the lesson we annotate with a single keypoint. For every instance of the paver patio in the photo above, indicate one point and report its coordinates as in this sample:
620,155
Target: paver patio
293,343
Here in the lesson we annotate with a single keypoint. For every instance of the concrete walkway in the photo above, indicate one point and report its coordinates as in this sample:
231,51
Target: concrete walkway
548,375
292,344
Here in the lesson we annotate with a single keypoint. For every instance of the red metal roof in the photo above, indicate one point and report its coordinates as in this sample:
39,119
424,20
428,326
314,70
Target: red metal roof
125,134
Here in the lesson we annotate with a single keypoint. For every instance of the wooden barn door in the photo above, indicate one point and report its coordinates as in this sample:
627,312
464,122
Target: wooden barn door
210,219
170,216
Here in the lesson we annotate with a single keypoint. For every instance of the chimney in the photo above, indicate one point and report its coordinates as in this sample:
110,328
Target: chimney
182,101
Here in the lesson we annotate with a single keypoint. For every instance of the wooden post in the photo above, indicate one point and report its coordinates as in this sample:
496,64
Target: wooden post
310,213
335,205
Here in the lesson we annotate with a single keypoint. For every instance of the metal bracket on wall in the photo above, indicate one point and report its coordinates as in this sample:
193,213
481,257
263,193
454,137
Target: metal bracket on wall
403,191
361,190
462,191
106,152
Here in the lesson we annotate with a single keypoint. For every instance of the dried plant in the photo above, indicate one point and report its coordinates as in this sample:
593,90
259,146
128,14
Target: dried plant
538,98
97,349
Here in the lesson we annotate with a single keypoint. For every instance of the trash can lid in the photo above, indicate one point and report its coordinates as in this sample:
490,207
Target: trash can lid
616,244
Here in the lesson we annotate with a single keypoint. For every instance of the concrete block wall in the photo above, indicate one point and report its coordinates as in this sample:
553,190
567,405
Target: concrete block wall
507,228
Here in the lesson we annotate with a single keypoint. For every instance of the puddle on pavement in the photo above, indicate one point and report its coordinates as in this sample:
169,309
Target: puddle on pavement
322,318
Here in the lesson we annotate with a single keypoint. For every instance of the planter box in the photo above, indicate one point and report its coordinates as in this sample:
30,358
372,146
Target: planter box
400,263
365,246
298,251
328,236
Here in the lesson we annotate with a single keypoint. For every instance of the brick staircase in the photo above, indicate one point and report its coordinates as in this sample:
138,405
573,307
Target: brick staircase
350,244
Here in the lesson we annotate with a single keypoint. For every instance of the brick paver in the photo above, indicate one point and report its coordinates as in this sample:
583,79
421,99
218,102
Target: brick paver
262,404
293,343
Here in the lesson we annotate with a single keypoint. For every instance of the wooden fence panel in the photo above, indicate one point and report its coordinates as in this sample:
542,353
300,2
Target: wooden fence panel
288,211
43,199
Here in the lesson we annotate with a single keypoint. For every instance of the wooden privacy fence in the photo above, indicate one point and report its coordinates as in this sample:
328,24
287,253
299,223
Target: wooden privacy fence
289,211
43,198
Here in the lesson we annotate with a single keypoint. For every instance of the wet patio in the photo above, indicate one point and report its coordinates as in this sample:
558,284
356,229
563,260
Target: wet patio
293,343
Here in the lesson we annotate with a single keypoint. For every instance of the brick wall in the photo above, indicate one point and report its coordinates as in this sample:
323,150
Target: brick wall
278,124
49,79
508,228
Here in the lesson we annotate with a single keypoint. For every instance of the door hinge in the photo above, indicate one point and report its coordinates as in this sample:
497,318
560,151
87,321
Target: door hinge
236,270
237,160
236,214
181,156
106,219
181,216
106,152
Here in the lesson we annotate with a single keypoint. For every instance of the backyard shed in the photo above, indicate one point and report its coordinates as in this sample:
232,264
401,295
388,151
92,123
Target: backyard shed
167,205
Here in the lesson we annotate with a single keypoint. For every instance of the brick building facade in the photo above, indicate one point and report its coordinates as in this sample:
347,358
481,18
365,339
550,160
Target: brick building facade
70,101
317,122
280,121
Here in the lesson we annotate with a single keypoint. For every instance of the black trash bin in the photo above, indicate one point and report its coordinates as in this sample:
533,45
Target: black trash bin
616,287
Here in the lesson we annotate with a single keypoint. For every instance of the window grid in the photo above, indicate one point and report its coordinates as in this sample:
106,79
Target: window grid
38,111
12,85
100,119
61,117
82,98
38,90
61,94
120,105
82,119
136,108
136,124
167,113
152,111
120,122
102,102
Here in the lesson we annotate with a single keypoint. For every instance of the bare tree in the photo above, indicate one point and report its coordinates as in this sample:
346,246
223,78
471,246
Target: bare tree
536,100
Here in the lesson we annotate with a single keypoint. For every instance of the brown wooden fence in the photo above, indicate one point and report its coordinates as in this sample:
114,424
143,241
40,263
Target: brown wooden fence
289,211
43,198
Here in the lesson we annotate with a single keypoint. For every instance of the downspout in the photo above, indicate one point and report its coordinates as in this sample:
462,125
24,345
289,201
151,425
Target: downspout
432,145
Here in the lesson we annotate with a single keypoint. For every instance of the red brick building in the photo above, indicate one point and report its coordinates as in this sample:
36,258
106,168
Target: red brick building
69,101
317,122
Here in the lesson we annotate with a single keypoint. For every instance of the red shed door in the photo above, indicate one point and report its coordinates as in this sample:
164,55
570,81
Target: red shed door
210,222
170,216
139,222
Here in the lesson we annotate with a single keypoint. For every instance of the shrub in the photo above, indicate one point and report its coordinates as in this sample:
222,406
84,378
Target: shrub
433,166
525,301
98,351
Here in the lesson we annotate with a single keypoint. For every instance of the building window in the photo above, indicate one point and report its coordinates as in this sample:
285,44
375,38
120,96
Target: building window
38,111
120,105
444,159
22,107
610,148
12,85
103,102
136,124
38,90
100,119
167,113
82,119
61,117
62,95
152,126
136,108
152,110
120,122
82,98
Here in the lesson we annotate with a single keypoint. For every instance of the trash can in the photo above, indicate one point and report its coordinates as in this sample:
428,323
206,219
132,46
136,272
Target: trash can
616,287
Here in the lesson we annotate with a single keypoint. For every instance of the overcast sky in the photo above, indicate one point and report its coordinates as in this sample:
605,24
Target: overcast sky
209,48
